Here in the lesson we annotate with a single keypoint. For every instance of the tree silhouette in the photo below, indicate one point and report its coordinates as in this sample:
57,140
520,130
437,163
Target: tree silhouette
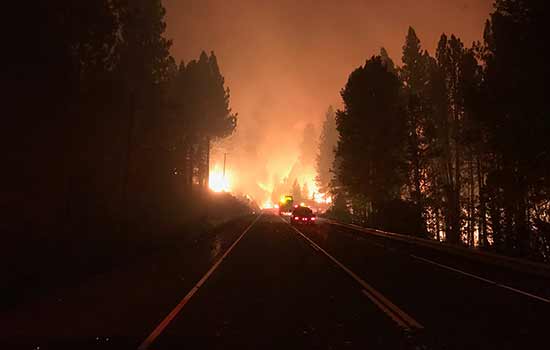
325,157
92,95
372,136
468,130
388,62
517,116
199,101
415,77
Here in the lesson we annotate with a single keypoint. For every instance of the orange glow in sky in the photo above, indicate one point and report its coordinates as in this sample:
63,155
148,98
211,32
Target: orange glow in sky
286,61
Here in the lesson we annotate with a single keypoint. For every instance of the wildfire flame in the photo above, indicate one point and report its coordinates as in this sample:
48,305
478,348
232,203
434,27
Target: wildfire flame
218,182
314,193
322,198
267,205
306,180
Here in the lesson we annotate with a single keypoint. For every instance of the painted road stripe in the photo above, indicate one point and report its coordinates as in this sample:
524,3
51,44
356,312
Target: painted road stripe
166,321
389,308
482,279
386,310
314,247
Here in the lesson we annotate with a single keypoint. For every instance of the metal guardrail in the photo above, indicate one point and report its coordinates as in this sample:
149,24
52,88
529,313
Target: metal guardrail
520,265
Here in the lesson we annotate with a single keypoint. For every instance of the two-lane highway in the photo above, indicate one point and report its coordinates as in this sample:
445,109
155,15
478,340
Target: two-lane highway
274,290
260,283
324,286
461,303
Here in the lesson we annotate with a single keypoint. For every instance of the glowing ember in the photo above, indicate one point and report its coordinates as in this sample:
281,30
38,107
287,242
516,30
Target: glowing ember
218,182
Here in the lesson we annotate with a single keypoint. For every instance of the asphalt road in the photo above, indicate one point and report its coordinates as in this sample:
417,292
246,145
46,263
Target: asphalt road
261,284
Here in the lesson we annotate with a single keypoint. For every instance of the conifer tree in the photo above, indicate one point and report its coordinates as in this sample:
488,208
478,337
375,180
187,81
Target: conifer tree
325,157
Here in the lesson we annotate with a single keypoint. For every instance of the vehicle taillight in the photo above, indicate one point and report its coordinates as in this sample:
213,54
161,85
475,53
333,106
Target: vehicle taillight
296,218
312,218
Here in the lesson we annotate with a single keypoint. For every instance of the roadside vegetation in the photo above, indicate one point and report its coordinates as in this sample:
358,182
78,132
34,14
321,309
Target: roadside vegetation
107,139
452,145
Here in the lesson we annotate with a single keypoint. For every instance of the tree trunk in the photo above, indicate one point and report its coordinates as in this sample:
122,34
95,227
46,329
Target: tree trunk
482,209
471,202
187,164
522,226
437,225
207,163
127,172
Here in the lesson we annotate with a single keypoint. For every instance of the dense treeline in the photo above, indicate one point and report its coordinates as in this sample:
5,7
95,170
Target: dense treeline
454,146
101,125
325,156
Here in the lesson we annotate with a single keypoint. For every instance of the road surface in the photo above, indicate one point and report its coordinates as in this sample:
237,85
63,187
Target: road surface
262,284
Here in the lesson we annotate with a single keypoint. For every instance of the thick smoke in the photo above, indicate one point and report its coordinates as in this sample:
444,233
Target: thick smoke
286,62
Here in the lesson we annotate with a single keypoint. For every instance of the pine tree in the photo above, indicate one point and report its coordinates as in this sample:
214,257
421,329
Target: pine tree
388,62
372,135
325,157
414,75
202,102
516,85
413,72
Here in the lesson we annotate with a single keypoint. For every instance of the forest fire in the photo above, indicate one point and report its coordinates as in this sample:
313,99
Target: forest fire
268,204
322,198
302,187
219,181
326,174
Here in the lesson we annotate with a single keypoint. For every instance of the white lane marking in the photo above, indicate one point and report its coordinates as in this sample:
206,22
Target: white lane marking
482,279
389,308
166,321
386,310
524,293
